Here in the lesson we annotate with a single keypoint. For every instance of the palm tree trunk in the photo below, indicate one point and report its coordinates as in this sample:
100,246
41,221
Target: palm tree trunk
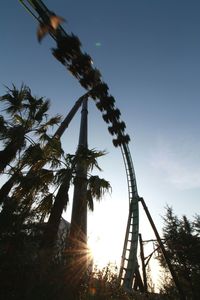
9,205
7,217
78,228
79,209
77,242
51,230
9,153
6,188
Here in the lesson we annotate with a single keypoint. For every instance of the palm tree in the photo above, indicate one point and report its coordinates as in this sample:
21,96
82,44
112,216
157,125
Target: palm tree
28,178
37,157
27,119
27,114
86,188
63,179
25,189
96,187
87,160
33,160
19,204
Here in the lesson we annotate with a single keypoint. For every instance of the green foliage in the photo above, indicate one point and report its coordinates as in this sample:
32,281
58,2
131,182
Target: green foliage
183,248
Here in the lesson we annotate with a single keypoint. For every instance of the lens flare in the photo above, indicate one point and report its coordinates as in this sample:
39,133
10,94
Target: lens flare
98,44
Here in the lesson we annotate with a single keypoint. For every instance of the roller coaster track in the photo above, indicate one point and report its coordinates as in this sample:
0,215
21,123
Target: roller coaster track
129,256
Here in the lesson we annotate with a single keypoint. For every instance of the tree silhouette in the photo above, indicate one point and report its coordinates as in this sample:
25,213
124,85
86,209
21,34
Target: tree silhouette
27,114
183,246
41,175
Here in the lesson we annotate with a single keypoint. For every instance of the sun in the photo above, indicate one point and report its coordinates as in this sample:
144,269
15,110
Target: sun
101,251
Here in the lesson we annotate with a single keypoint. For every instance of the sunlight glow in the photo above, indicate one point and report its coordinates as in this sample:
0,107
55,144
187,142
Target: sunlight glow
106,233
102,253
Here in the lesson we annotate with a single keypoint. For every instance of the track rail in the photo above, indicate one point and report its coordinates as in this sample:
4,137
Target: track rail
129,254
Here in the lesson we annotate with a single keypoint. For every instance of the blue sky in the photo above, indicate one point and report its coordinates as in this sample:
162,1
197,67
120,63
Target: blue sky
149,55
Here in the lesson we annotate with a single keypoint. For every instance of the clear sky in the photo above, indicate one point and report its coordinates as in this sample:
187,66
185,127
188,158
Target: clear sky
148,52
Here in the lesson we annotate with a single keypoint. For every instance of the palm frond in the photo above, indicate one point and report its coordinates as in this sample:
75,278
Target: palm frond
18,119
51,122
14,99
46,204
3,127
98,187
54,148
62,175
90,201
88,158
32,155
